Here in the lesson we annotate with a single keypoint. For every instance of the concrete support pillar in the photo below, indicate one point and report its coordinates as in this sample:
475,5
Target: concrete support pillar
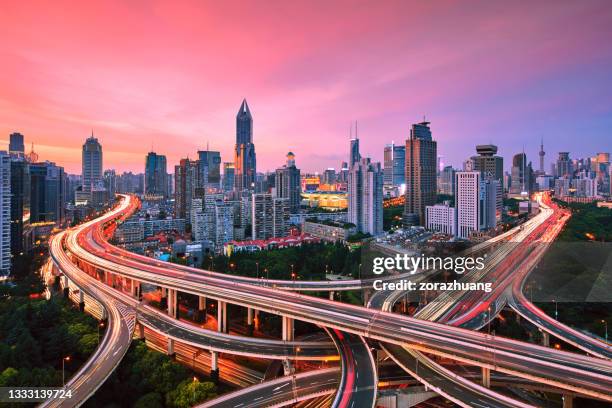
170,347
222,317
568,401
66,287
172,303
486,377
545,339
250,324
201,316
287,328
287,367
81,301
331,295
214,366
163,303
141,331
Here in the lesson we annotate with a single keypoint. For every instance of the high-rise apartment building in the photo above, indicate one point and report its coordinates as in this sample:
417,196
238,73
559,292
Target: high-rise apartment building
92,163
185,188
488,163
209,170
156,175
269,216
467,202
395,165
5,213
16,146
110,183
288,184
421,159
365,196
245,162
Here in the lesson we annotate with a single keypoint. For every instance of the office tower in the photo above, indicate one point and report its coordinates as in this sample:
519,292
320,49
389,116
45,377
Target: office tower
522,176
209,170
507,181
5,215
20,202
602,173
491,203
467,199
342,175
421,154
245,163
47,193
365,187
441,218
287,183
395,165
329,176
185,188
228,176
585,187
16,146
110,183
447,181
156,175
354,155
564,166
92,163
542,154
488,163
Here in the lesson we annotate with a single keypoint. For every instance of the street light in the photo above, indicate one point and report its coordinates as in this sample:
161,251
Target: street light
101,324
67,358
556,311
605,323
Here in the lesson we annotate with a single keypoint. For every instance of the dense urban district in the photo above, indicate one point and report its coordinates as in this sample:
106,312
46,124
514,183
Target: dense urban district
211,283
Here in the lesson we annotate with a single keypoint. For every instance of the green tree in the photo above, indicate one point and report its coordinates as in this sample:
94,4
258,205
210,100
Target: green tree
190,393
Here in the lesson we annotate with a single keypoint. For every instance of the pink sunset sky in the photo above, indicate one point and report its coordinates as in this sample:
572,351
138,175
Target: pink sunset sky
172,74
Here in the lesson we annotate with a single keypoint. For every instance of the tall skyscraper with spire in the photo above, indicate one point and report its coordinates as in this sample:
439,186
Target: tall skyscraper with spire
245,162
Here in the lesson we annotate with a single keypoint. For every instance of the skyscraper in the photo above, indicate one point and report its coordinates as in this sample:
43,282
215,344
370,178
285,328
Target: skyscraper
92,163
287,183
5,219
395,165
522,176
185,182
20,202
354,155
488,163
228,176
16,146
421,159
47,193
245,162
156,175
365,195
564,165
209,170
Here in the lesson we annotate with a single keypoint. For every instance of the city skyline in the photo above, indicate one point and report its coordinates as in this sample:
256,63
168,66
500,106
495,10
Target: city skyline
306,87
